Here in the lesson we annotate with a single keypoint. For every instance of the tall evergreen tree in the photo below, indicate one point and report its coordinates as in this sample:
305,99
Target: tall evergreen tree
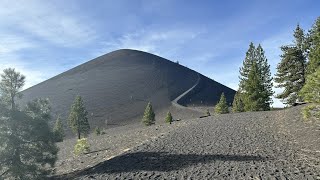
58,130
291,71
254,91
310,92
148,116
222,106
264,68
257,56
314,47
246,66
10,85
27,143
78,118
238,105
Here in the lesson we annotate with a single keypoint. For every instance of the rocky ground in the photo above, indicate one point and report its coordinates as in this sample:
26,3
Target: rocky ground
254,145
117,140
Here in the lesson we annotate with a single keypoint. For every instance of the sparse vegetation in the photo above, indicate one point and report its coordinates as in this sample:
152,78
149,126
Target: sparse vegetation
58,130
82,146
310,92
221,107
78,118
149,116
169,118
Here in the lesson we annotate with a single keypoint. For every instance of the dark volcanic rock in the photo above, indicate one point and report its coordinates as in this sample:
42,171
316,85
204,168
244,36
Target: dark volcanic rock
117,86
231,146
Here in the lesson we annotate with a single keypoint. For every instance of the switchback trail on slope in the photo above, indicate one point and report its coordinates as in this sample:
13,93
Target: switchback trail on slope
175,101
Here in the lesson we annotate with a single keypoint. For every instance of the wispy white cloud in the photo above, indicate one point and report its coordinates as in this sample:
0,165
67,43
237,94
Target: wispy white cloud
160,42
10,43
46,21
29,26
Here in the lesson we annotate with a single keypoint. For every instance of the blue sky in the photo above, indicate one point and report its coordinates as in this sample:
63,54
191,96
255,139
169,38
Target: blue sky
44,38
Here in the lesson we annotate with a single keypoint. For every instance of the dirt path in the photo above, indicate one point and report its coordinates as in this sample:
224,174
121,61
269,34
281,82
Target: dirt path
233,146
175,101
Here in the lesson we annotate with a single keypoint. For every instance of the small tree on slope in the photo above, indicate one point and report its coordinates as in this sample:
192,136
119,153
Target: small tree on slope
58,130
169,118
78,120
237,105
149,116
311,93
222,107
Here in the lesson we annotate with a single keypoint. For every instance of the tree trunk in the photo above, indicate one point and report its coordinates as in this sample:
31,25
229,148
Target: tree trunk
78,127
12,103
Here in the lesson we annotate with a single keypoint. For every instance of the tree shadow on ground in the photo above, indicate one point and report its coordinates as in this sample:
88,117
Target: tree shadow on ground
156,161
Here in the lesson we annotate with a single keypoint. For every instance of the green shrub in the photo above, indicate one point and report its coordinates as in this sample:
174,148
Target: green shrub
238,105
169,118
97,131
222,107
58,130
148,116
81,147
310,93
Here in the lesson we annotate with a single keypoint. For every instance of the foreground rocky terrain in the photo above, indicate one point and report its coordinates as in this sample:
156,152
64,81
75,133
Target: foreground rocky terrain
254,145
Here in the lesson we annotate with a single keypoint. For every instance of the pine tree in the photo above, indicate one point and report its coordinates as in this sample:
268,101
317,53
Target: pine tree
169,118
238,105
58,130
311,94
221,107
291,70
256,55
290,74
27,142
10,86
314,47
149,116
78,118
254,91
247,63
264,68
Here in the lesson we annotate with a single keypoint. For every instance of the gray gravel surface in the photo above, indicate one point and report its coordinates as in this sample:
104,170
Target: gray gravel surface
256,145
117,140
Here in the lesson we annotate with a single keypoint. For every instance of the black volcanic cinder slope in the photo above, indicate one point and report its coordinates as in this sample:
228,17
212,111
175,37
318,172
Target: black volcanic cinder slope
117,86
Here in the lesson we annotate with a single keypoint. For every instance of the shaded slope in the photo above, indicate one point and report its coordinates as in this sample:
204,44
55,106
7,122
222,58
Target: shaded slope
206,93
117,86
